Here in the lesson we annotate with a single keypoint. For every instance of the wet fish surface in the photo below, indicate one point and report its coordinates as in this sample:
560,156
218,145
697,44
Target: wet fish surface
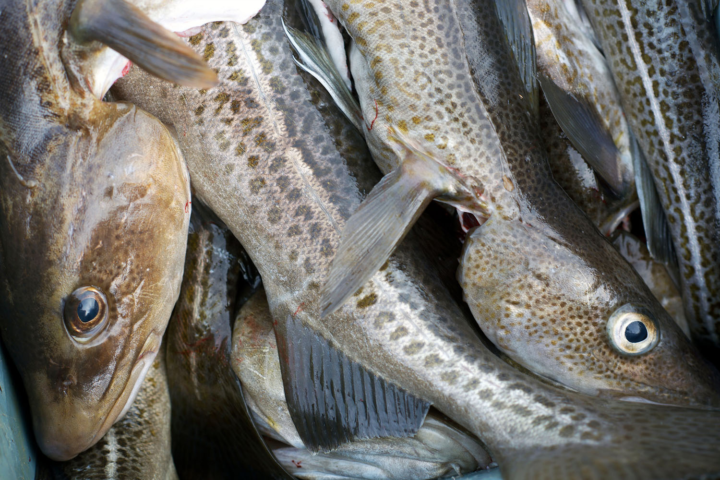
438,449
94,210
264,153
544,285
213,433
664,58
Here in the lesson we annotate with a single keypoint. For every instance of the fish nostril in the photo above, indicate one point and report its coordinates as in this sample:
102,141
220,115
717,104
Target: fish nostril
70,381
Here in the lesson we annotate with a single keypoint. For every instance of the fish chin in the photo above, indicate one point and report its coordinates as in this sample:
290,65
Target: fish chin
143,366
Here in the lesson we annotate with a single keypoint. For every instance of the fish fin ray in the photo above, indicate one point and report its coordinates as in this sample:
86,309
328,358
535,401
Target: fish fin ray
127,30
657,228
585,130
373,232
518,29
334,400
315,60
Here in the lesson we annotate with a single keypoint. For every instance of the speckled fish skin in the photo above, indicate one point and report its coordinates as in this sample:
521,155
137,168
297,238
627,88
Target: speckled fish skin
91,194
664,58
438,449
560,331
568,57
287,199
213,434
138,446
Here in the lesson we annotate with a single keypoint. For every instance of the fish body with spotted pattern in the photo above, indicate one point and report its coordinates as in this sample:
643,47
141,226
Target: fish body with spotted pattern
93,224
542,282
272,156
664,58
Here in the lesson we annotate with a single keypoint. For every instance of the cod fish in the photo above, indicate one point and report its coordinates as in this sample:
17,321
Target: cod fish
213,434
138,446
94,211
438,448
665,61
545,286
275,159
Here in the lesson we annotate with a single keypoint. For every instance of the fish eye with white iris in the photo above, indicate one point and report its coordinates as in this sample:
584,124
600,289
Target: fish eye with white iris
359,239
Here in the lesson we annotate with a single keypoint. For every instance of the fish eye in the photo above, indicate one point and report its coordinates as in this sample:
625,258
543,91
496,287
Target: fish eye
633,330
85,312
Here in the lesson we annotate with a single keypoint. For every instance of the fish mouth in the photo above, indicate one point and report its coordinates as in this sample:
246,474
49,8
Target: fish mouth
69,443
132,387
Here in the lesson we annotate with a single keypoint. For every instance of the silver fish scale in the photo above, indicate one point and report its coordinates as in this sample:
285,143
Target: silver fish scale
664,58
285,208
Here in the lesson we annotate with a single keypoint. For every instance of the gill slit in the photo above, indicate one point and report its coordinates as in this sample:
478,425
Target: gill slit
23,182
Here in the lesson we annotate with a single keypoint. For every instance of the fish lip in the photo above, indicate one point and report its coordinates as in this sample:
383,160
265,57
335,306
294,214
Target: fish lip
129,392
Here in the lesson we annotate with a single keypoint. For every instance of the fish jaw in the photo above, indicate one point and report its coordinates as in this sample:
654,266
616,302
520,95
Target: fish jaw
108,212
545,307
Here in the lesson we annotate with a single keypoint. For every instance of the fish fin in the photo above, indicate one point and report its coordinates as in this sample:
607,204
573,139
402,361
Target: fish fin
334,400
373,232
127,30
576,9
585,130
315,60
518,29
657,228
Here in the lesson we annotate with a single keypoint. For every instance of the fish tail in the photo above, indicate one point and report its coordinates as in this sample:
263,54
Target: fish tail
127,30
385,217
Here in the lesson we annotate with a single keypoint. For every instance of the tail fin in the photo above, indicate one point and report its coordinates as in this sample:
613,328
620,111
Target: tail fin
127,30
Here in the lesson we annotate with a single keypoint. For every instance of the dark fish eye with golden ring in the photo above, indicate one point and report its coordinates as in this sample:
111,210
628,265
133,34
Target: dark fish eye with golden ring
633,330
85,312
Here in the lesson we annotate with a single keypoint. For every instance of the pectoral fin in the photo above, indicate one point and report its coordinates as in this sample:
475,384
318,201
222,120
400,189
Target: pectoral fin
585,130
333,400
657,228
373,232
127,30
315,59
518,29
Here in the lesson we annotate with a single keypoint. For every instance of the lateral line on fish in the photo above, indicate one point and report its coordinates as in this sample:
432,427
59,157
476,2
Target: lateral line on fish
25,183
112,446
709,104
308,187
663,133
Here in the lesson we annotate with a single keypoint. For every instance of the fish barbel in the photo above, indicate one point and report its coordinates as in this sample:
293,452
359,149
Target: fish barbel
94,211
273,157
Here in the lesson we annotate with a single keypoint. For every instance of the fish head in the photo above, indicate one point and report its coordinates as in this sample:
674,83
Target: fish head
592,326
93,242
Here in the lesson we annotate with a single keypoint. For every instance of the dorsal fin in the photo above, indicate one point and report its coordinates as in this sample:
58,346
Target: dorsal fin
333,400
127,30
518,31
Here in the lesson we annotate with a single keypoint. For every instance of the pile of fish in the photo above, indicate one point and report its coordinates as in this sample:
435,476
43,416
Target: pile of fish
359,239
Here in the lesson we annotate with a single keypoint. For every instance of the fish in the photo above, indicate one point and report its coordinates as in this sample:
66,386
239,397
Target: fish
544,285
94,212
19,453
272,155
666,73
138,446
437,450
213,434
579,88
656,275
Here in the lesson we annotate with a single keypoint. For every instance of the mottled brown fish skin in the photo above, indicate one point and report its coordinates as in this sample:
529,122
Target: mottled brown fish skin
91,194
508,270
664,57
138,446
213,434
284,177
